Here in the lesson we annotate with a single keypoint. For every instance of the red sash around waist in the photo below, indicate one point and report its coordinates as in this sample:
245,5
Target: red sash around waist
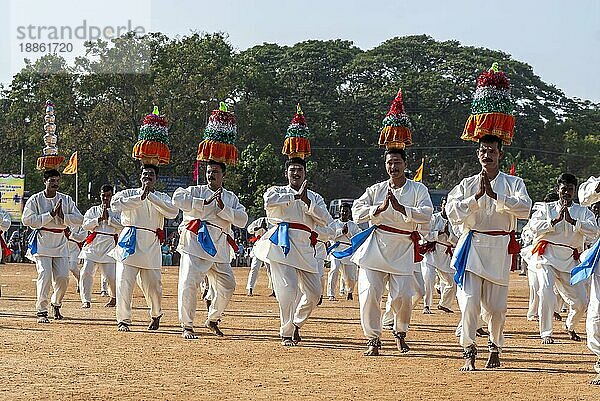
194,226
540,248
90,238
160,233
300,226
430,246
415,237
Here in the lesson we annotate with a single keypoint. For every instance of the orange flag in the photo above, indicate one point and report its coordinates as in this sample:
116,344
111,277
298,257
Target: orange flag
419,174
72,166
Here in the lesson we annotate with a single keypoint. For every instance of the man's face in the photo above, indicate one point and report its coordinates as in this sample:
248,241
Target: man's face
106,197
214,175
596,209
345,213
566,192
295,174
52,183
148,177
395,165
489,155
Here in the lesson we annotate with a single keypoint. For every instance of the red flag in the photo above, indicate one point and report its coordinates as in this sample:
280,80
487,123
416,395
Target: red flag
196,173
512,169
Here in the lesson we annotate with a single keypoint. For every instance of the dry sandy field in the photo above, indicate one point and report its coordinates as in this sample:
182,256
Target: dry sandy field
83,357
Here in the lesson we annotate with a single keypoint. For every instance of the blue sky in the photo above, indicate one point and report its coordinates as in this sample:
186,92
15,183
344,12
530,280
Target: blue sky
560,39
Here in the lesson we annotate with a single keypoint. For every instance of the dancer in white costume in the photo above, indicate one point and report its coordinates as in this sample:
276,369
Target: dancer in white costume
486,206
345,228
104,225
143,213
560,229
207,247
589,193
389,250
49,213
75,236
289,247
257,228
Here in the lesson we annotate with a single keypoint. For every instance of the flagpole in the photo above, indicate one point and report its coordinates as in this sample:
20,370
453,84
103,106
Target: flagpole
77,188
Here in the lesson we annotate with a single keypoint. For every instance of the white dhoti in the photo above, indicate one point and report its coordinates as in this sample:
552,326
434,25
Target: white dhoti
297,293
371,284
255,265
575,296
149,280
428,273
480,297
332,277
221,282
51,271
419,287
86,282
534,298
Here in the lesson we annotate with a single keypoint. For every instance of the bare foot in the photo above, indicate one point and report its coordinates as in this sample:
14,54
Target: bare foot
331,298
373,346
272,294
493,361
349,297
596,380
288,342
547,340
111,304
481,333
427,311
557,317
296,337
469,354
188,334
214,327
401,342
320,300
86,305
57,315
43,319
249,293
573,336
123,327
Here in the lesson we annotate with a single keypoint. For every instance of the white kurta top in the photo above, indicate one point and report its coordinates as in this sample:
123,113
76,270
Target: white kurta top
587,191
386,251
344,239
255,229
76,236
191,201
150,214
438,257
104,242
560,257
36,214
281,206
488,255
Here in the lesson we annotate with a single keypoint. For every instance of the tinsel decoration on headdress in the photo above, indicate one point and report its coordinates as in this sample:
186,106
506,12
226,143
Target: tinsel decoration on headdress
50,159
491,109
153,138
296,142
396,132
219,137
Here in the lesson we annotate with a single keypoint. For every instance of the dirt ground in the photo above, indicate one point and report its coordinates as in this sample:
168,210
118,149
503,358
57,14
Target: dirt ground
84,357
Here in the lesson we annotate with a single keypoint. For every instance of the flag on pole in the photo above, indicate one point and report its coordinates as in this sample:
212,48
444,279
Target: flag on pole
72,166
419,174
196,171
512,169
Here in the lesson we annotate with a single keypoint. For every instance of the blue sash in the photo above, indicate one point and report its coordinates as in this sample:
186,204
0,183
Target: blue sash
205,240
32,244
281,237
357,240
127,242
585,269
462,255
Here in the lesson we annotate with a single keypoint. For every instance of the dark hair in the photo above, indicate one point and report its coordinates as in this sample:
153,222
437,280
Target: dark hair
491,139
106,188
345,204
551,197
395,151
216,163
295,160
51,173
566,178
152,166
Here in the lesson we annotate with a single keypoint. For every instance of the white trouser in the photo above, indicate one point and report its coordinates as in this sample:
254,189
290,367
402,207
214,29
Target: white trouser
87,278
74,268
149,280
297,293
51,271
575,295
371,284
428,273
447,288
104,282
221,283
255,265
592,324
480,297
349,277
534,298
418,286
332,277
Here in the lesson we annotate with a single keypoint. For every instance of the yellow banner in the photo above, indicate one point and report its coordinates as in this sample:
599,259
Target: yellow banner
12,187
